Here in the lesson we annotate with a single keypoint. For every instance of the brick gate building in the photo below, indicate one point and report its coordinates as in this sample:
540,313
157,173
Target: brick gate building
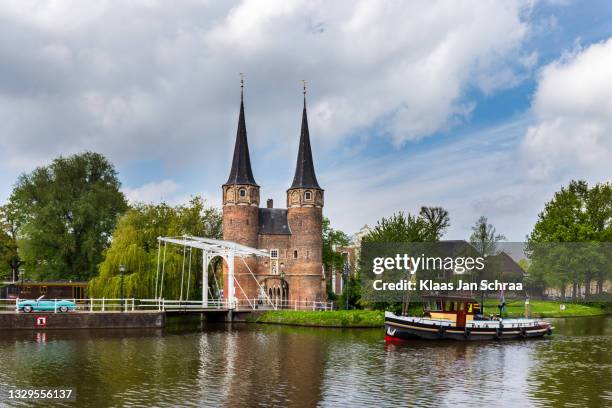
294,270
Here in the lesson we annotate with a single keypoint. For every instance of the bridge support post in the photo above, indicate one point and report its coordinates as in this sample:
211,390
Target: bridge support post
205,263
231,289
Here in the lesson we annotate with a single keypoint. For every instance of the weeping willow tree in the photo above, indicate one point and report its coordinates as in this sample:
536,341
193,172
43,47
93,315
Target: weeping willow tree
134,245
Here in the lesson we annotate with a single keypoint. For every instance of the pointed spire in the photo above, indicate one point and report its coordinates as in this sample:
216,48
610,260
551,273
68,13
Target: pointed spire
241,172
304,170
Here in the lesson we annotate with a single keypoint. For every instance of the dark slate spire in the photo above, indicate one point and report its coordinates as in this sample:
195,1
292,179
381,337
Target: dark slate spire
241,172
304,170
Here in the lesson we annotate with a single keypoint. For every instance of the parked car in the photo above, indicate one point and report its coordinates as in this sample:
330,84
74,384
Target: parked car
40,305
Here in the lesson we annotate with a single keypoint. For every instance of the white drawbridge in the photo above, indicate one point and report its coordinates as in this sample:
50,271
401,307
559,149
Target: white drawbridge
211,248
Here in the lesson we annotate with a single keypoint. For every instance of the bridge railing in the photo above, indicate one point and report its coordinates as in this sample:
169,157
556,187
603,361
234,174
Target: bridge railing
132,304
8,305
184,305
277,304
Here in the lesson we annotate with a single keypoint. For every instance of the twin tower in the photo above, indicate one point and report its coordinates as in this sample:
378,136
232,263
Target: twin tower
294,271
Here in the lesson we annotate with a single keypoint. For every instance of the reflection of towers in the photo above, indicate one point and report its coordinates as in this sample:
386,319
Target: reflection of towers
280,367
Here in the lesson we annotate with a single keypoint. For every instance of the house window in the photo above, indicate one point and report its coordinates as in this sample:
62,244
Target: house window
43,290
274,253
295,253
27,289
308,195
242,192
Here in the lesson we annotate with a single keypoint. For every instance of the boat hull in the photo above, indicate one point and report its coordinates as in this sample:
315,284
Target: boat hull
400,329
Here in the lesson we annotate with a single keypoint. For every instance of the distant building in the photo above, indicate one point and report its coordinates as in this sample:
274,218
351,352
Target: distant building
50,290
502,266
351,258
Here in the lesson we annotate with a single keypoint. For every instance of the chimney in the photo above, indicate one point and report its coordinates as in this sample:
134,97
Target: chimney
270,203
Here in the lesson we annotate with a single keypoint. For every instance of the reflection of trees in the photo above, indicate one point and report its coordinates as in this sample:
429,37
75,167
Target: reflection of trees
574,371
274,365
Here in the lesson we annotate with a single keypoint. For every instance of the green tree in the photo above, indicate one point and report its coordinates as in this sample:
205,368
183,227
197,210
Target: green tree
66,212
429,226
485,238
9,254
332,260
135,246
576,214
399,228
437,221
524,264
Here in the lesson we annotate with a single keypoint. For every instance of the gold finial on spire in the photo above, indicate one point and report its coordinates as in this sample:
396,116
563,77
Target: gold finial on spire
303,81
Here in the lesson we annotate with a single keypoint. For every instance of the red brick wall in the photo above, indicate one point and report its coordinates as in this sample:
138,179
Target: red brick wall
303,274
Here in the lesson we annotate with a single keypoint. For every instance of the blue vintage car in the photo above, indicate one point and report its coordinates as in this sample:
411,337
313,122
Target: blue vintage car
40,305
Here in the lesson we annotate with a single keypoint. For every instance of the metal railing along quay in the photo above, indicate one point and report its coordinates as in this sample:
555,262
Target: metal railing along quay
132,305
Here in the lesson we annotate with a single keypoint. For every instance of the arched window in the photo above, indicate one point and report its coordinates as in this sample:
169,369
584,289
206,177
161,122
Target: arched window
295,253
308,195
242,192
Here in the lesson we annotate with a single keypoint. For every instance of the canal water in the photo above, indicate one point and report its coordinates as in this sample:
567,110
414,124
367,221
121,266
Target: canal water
263,365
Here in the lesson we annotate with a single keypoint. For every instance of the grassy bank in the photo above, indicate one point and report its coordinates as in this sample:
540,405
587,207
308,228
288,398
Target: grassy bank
375,318
541,308
331,318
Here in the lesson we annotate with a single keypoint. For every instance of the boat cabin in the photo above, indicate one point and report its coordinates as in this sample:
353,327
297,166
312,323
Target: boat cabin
457,309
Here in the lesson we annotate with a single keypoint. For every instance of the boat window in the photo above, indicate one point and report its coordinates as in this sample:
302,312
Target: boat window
451,307
440,305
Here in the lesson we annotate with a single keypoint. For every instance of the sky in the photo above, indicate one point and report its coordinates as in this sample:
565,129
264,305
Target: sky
481,107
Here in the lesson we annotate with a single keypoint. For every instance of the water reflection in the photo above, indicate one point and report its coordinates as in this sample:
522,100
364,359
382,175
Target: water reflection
191,365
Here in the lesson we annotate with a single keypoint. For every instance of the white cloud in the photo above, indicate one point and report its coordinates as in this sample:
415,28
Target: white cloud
154,192
469,176
157,80
573,112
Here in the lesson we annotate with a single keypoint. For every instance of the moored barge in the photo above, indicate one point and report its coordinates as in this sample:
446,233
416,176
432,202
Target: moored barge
459,318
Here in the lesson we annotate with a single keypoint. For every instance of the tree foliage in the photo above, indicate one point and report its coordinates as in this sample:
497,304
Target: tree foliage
429,226
437,221
332,260
570,242
135,245
10,261
66,212
485,238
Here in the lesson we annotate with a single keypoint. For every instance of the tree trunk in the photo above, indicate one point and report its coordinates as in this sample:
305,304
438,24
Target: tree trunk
574,290
599,286
587,287
562,292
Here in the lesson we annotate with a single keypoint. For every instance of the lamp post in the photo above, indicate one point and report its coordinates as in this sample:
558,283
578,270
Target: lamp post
122,272
22,277
345,275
